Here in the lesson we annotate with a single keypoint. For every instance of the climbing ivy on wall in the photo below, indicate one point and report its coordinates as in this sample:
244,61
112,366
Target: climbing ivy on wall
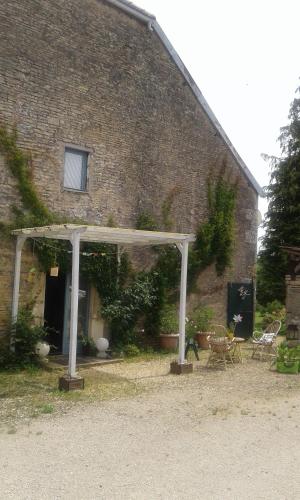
214,239
18,163
126,295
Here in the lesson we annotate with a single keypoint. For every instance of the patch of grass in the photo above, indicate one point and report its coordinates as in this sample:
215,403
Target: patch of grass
47,408
149,356
258,320
28,394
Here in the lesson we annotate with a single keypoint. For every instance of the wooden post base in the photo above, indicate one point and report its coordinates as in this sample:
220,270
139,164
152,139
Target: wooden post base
67,383
180,369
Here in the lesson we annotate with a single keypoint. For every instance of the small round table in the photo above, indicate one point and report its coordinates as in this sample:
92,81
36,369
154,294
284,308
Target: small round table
237,353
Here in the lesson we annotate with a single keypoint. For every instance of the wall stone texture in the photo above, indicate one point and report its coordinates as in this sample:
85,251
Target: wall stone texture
82,72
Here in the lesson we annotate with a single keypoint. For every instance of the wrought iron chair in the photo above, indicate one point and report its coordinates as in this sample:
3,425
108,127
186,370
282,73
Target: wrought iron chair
264,343
220,347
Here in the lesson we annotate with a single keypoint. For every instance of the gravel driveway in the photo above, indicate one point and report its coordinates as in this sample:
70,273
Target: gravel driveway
209,435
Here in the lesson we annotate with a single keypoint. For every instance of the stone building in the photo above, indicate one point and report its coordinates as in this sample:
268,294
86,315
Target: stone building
113,123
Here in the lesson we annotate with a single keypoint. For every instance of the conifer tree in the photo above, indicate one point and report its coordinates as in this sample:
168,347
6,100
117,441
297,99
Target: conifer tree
282,223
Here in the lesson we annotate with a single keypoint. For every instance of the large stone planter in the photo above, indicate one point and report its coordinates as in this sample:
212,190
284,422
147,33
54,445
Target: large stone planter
102,345
169,342
201,339
42,349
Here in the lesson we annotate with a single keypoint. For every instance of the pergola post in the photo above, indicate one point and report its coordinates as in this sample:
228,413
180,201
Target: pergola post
16,286
74,304
184,248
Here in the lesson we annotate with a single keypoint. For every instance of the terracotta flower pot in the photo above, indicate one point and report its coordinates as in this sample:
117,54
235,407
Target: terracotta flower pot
169,342
201,339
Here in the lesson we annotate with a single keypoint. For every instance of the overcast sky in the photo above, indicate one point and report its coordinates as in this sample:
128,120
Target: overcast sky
244,55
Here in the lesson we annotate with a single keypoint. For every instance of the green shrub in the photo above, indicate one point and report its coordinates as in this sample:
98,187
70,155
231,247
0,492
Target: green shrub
25,336
88,346
169,320
131,350
269,313
199,320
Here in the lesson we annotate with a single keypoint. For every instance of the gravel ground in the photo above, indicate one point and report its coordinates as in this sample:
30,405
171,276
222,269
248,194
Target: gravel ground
210,435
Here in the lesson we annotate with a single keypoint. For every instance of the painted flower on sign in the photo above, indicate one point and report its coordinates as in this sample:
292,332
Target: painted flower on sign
243,292
237,318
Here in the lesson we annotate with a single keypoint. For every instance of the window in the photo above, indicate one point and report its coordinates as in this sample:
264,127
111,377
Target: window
75,169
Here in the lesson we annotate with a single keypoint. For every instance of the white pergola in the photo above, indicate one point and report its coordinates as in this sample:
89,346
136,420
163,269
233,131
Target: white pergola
117,236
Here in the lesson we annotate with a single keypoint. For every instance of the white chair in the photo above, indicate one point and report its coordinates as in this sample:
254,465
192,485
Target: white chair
264,343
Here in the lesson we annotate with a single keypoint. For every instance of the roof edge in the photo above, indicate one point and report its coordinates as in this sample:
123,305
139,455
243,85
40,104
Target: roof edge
133,10
150,20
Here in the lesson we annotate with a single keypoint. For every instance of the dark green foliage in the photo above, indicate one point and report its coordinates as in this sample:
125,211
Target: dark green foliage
168,265
170,319
130,303
25,336
88,346
167,207
214,239
18,163
152,317
131,350
146,222
270,312
282,220
100,267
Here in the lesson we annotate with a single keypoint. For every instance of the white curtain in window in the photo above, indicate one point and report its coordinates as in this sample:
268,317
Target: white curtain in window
75,170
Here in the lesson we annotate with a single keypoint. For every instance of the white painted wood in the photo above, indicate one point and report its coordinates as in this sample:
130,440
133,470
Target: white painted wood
106,234
182,305
74,304
16,288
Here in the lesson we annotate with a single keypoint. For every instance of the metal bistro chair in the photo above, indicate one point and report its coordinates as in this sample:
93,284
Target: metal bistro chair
220,347
264,343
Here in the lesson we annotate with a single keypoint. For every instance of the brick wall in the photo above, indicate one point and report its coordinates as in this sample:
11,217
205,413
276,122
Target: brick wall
82,72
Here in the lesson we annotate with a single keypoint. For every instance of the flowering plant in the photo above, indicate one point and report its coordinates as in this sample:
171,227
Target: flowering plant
199,321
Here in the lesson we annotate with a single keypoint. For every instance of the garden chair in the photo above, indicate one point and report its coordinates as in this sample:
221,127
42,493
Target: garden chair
264,343
220,347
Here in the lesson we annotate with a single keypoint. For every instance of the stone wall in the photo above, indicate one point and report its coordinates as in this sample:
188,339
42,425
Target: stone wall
84,73
293,308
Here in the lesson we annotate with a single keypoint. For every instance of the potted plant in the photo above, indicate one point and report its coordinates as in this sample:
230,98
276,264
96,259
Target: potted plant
169,325
198,326
88,346
288,359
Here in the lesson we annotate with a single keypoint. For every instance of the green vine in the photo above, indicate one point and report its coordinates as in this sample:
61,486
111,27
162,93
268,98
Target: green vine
127,297
18,163
167,207
214,239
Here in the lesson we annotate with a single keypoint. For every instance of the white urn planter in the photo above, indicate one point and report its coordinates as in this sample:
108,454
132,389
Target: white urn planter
102,346
42,349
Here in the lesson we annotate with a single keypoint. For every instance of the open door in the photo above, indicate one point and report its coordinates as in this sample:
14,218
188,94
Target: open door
54,311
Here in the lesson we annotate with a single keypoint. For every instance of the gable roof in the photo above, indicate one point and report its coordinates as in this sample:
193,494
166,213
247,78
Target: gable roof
153,25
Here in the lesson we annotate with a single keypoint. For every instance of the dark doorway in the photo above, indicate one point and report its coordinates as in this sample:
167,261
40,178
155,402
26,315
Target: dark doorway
54,311
241,301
